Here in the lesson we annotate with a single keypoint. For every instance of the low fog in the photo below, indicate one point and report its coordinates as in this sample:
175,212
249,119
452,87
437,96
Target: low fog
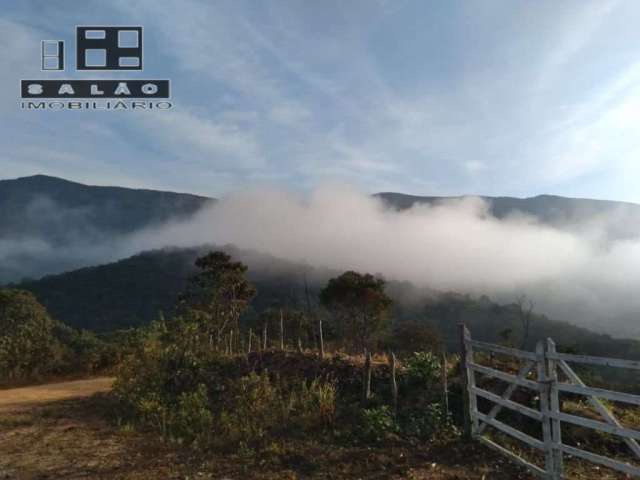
577,273
573,274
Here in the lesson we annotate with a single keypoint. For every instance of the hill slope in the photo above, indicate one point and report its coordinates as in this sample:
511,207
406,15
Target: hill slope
26,204
133,291
40,214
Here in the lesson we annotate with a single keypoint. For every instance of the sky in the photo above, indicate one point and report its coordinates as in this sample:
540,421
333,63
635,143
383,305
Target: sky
424,97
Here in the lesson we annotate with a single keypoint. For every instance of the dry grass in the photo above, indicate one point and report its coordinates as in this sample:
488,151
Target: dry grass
72,438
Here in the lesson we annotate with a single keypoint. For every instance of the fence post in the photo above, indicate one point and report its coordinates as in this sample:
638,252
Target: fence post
264,336
544,409
468,377
320,337
366,378
281,331
445,386
394,383
556,430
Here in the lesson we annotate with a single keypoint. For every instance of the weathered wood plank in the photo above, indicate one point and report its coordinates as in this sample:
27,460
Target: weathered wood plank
603,361
506,395
515,458
471,404
544,408
599,406
504,428
554,406
607,462
507,377
596,425
504,350
529,412
600,392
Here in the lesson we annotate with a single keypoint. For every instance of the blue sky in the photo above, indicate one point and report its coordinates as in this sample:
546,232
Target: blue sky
424,97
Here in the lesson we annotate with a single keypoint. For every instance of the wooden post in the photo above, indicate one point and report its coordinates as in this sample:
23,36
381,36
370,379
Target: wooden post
556,430
544,409
249,342
394,383
445,387
281,331
468,377
264,336
366,378
320,337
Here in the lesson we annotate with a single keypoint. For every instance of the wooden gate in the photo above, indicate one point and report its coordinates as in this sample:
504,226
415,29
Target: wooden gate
545,364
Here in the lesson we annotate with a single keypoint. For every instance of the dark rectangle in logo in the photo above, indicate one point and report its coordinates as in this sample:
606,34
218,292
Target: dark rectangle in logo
95,88
108,48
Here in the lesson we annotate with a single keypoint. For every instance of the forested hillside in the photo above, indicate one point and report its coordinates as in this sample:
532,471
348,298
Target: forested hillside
133,292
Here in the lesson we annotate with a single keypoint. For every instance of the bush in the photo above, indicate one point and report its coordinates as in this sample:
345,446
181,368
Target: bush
425,422
194,420
377,423
423,367
257,406
253,408
316,404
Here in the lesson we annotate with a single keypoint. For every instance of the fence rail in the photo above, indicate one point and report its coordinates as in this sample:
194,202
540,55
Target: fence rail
547,364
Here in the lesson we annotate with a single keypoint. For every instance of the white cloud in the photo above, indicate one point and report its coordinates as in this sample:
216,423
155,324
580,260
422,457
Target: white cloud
221,144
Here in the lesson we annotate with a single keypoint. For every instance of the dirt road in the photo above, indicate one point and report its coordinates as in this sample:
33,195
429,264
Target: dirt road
20,398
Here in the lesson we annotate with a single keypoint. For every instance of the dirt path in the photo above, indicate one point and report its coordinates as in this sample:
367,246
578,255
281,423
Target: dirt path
26,397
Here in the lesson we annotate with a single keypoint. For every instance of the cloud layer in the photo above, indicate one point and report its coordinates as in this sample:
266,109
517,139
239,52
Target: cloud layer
574,274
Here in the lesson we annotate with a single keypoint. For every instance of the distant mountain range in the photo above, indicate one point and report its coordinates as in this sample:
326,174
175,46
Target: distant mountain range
52,208
42,218
50,225
621,219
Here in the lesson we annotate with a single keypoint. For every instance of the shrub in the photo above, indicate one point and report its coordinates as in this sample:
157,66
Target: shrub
423,367
377,423
316,404
425,422
194,420
252,409
256,406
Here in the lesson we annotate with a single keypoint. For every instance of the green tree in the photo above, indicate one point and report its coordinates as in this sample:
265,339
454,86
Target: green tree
217,295
26,339
359,305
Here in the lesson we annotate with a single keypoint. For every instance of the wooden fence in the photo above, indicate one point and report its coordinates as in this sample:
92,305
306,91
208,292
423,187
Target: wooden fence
547,365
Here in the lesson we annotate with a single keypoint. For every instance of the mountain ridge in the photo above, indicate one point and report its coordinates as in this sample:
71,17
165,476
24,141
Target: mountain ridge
45,220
